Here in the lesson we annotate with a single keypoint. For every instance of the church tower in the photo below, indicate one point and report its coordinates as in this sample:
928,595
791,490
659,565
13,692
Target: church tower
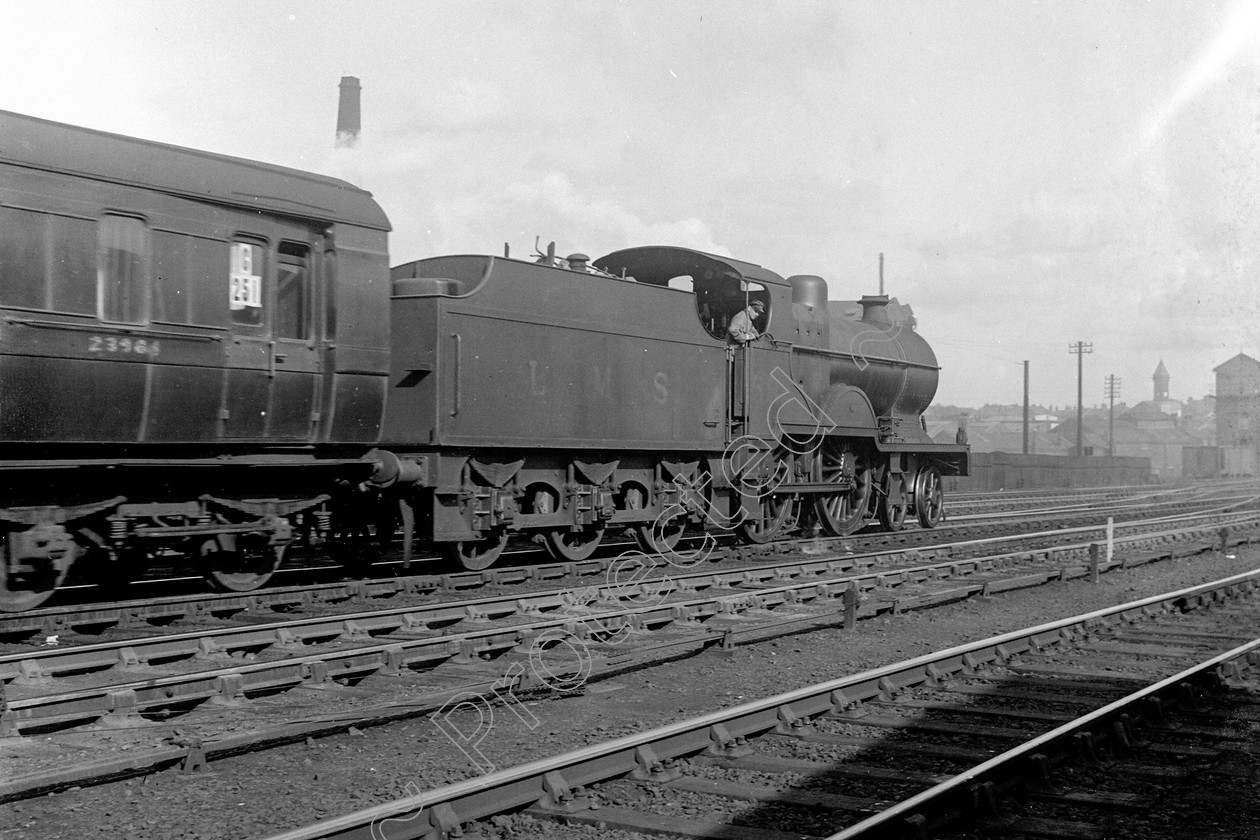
1161,382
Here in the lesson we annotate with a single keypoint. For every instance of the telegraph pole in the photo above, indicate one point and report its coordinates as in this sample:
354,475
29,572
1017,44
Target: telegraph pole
1112,391
1079,349
1025,406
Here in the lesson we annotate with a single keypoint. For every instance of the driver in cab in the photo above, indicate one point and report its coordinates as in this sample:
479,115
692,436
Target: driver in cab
742,329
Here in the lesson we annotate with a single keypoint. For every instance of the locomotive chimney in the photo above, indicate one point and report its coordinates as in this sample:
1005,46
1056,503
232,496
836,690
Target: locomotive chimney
875,310
348,113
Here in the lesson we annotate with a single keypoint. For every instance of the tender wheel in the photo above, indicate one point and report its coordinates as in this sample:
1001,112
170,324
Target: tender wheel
929,497
561,543
20,591
656,537
843,513
892,514
240,562
475,555
574,545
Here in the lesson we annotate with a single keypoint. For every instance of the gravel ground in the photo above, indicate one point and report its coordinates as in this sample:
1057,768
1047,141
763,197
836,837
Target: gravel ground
257,795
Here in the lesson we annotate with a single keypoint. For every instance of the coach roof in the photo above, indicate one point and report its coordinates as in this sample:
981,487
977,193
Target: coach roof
72,150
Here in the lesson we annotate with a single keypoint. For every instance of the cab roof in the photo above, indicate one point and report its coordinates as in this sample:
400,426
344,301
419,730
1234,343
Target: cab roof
658,264
72,150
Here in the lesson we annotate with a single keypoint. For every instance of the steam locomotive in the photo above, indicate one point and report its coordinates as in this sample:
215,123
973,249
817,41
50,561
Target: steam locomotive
210,358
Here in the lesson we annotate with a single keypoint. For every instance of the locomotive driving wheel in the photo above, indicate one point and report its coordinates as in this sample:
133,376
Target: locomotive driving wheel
842,513
772,518
475,555
767,477
929,497
892,501
240,562
562,543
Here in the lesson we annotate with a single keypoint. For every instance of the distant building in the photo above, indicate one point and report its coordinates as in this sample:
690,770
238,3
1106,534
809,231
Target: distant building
1238,414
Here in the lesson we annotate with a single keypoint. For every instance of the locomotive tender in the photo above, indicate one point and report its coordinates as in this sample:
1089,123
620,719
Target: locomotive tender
208,357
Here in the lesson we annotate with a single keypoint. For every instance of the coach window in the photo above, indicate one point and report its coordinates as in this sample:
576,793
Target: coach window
73,250
122,269
293,291
245,284
23,257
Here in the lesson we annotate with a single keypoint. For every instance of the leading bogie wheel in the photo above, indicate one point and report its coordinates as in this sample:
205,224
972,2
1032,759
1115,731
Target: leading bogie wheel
929,497
892,511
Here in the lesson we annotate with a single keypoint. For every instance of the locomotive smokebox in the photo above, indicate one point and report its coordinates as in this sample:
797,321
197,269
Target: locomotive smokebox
348,112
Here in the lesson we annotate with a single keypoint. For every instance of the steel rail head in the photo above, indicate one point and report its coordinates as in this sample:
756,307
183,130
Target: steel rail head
522,785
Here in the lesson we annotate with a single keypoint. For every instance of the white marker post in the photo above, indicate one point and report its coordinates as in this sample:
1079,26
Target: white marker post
1111,538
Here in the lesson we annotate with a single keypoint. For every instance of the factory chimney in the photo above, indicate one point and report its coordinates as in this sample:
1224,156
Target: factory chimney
346,154
348,113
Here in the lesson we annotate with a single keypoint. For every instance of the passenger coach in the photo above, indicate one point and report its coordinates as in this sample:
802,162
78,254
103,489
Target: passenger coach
185,336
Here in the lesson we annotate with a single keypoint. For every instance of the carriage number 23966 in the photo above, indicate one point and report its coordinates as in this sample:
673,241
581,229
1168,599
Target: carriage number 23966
114,344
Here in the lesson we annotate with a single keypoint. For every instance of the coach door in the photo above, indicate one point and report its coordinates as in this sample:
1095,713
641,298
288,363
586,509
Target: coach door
273,363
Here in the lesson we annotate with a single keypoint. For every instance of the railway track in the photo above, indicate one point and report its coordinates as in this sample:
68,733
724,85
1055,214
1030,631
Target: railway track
1004,734
411,660
91,617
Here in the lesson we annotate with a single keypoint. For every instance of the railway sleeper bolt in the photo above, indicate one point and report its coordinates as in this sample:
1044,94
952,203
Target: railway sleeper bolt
652,769
1083,747
209,649
1120,741
560,798
726,745
122,711
443,818
467,653
1037,775
287,640
984,801
29,673
395,660
195,758
352,631
230,690
790,724
316,675
916,826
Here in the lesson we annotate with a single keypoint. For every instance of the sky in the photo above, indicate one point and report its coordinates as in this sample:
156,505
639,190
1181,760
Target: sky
1035,173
